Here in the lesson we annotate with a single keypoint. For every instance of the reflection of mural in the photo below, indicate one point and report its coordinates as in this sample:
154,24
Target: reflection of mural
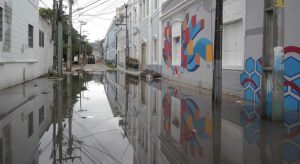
250,120
250,79
193,48
194,123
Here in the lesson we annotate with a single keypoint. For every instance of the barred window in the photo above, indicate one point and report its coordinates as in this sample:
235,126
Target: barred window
1,24
30,36
41,38
41,115
30,124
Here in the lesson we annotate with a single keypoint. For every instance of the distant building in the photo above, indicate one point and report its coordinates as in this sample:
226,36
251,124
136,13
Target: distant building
110,44
26,46
97,50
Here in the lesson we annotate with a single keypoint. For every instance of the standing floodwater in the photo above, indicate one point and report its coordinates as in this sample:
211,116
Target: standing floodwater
114,117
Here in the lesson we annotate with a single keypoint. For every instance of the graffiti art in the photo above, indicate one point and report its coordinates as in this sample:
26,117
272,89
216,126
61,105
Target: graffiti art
194,48
250,79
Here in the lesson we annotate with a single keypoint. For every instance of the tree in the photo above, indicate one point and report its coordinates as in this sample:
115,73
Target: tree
47,14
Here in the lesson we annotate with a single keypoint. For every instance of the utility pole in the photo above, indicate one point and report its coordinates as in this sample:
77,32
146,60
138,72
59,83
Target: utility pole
217,72
127,36
54,35
217,83
69,56
80,45
278,67
273,57
60,39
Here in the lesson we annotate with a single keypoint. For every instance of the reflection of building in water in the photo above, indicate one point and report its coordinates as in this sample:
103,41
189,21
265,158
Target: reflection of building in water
292,136
165,124
25,114
111,90
169,123
249,138
186,125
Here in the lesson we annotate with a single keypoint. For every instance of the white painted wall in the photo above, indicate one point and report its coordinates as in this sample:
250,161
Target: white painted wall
22,63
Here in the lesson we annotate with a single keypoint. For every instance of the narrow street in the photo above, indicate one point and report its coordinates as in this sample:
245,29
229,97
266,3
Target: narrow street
149,82
90,118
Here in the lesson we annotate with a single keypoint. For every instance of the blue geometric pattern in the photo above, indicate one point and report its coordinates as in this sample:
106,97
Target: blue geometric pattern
292,104
250,79
250,120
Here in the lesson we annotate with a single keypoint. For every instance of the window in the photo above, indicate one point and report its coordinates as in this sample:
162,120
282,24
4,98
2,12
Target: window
155,50
143,94
41,114
233,46
154,103
41,39
147,7
1,24
7,27
144,9
176,60
176,44
30,124
30,36
141,11
155,4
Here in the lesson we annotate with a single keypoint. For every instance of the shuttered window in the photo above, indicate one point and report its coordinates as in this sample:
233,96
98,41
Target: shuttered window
30,36
41,39
1,24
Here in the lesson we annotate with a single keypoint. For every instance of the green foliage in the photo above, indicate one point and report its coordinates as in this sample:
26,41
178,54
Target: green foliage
48,15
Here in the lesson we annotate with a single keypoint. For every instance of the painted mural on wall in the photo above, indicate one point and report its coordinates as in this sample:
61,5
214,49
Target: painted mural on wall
292,104
250,79
185,122
194,49
292,78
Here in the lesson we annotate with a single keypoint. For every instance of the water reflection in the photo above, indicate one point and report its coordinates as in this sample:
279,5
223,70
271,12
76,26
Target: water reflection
43,122
166,122
114,117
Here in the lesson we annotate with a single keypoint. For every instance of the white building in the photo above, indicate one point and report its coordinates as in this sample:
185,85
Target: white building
26,47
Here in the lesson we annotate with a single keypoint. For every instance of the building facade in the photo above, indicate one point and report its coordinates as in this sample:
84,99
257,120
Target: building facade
26,46
110,44
176,39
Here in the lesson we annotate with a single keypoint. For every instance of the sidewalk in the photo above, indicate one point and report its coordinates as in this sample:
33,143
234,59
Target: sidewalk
87,68
132,72
95,67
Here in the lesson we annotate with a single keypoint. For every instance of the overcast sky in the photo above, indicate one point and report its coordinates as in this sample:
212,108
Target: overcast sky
96,25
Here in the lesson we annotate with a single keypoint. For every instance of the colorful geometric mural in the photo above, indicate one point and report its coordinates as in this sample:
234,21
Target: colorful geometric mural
250,79
194,123
292,104
193,48
292,78
167,52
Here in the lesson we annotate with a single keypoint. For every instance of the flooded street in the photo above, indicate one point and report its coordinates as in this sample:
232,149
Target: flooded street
114,117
